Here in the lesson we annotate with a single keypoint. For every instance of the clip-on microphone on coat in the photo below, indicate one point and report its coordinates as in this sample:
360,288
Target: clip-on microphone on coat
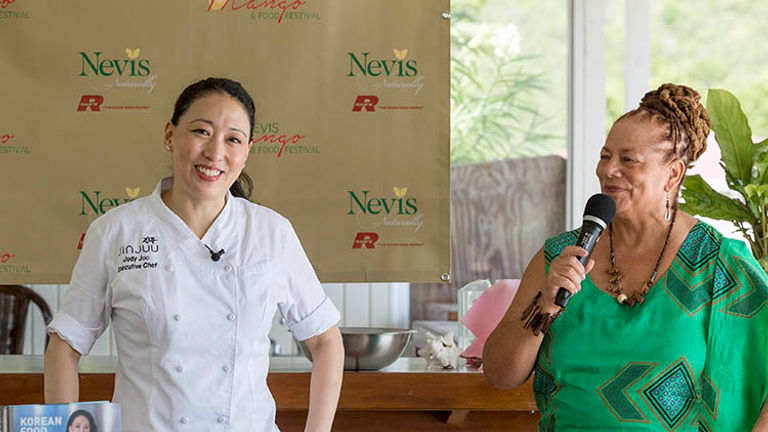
214,255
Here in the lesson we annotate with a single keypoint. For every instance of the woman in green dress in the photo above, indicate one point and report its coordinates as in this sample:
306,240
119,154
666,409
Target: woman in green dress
667,329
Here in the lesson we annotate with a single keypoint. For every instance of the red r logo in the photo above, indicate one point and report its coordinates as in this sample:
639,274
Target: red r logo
365,239
90,101
367,102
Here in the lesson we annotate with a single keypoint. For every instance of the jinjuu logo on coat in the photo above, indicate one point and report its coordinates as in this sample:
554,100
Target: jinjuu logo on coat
138,256
130,250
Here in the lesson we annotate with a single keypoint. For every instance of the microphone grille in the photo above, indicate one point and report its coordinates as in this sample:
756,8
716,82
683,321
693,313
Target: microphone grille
600,206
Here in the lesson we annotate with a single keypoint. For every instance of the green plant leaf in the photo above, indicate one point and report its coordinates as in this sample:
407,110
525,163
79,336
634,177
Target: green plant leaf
763,263
760,162
732,133
756,191
701,199
752,191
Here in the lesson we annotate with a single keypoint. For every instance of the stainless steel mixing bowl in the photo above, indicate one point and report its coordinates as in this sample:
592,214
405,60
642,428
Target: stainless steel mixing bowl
368,348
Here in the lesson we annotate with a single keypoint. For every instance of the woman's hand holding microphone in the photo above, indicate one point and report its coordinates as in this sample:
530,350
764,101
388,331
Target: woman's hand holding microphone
565,271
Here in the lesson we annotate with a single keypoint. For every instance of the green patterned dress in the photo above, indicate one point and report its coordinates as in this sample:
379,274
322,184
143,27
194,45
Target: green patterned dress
693,357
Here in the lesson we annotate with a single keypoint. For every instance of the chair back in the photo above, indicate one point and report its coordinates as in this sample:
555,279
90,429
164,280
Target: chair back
14,305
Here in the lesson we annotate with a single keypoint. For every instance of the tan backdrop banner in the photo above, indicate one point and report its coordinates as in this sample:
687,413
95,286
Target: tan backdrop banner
352,132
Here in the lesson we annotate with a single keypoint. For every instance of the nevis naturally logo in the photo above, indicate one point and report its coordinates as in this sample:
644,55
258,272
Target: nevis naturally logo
95,203
364,64
97,64
362,203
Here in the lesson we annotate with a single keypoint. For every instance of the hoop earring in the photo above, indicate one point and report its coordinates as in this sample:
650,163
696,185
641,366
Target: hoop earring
666,213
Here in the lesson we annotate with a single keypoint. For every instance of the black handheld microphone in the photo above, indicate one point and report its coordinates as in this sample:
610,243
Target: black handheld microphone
598,213
215,255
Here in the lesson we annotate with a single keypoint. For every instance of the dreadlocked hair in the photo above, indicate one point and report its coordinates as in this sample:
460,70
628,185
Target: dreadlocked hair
687,121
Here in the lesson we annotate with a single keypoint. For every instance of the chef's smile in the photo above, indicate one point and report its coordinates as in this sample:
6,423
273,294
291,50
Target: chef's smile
207,173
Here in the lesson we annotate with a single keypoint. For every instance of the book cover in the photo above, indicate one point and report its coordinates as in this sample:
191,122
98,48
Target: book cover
73,417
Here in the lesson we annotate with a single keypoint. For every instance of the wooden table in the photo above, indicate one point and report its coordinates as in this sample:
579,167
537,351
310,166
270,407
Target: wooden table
404,396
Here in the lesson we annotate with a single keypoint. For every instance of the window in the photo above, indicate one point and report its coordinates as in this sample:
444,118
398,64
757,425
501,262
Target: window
509,66
714,44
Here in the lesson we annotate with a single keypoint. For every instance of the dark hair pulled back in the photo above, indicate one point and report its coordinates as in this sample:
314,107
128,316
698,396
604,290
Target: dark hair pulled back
243,186
87,415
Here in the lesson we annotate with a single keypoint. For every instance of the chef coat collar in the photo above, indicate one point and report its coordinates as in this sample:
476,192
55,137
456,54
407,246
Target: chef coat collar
218,234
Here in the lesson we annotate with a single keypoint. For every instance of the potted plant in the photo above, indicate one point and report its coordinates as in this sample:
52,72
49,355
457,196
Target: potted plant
746,171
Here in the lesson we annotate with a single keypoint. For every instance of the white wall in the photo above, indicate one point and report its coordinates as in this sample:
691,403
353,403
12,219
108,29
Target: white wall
360,304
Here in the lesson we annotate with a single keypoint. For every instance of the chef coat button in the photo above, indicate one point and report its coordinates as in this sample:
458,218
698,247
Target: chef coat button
179,369
231,317
221,419
228,267
177,317
184,420
169,267
225,368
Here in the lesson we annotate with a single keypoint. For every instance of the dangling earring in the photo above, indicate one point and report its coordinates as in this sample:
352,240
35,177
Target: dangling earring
666,213
167,148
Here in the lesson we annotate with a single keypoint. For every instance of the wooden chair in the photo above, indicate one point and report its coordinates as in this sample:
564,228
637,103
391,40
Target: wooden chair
14,305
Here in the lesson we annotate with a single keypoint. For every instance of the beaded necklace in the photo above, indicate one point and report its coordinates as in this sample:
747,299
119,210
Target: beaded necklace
615,273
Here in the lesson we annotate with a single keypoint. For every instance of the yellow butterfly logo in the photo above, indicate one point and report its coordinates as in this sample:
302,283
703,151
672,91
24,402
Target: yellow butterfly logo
132,54
400,54
132,193
400,192
218,4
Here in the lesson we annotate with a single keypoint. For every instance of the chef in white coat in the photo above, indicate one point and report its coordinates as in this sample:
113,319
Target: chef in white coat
190,278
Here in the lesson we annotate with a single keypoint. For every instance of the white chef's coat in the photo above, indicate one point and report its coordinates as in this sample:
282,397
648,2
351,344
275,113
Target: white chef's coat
191,333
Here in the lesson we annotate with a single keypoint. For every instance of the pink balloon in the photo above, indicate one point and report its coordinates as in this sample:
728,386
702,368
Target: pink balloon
486,313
